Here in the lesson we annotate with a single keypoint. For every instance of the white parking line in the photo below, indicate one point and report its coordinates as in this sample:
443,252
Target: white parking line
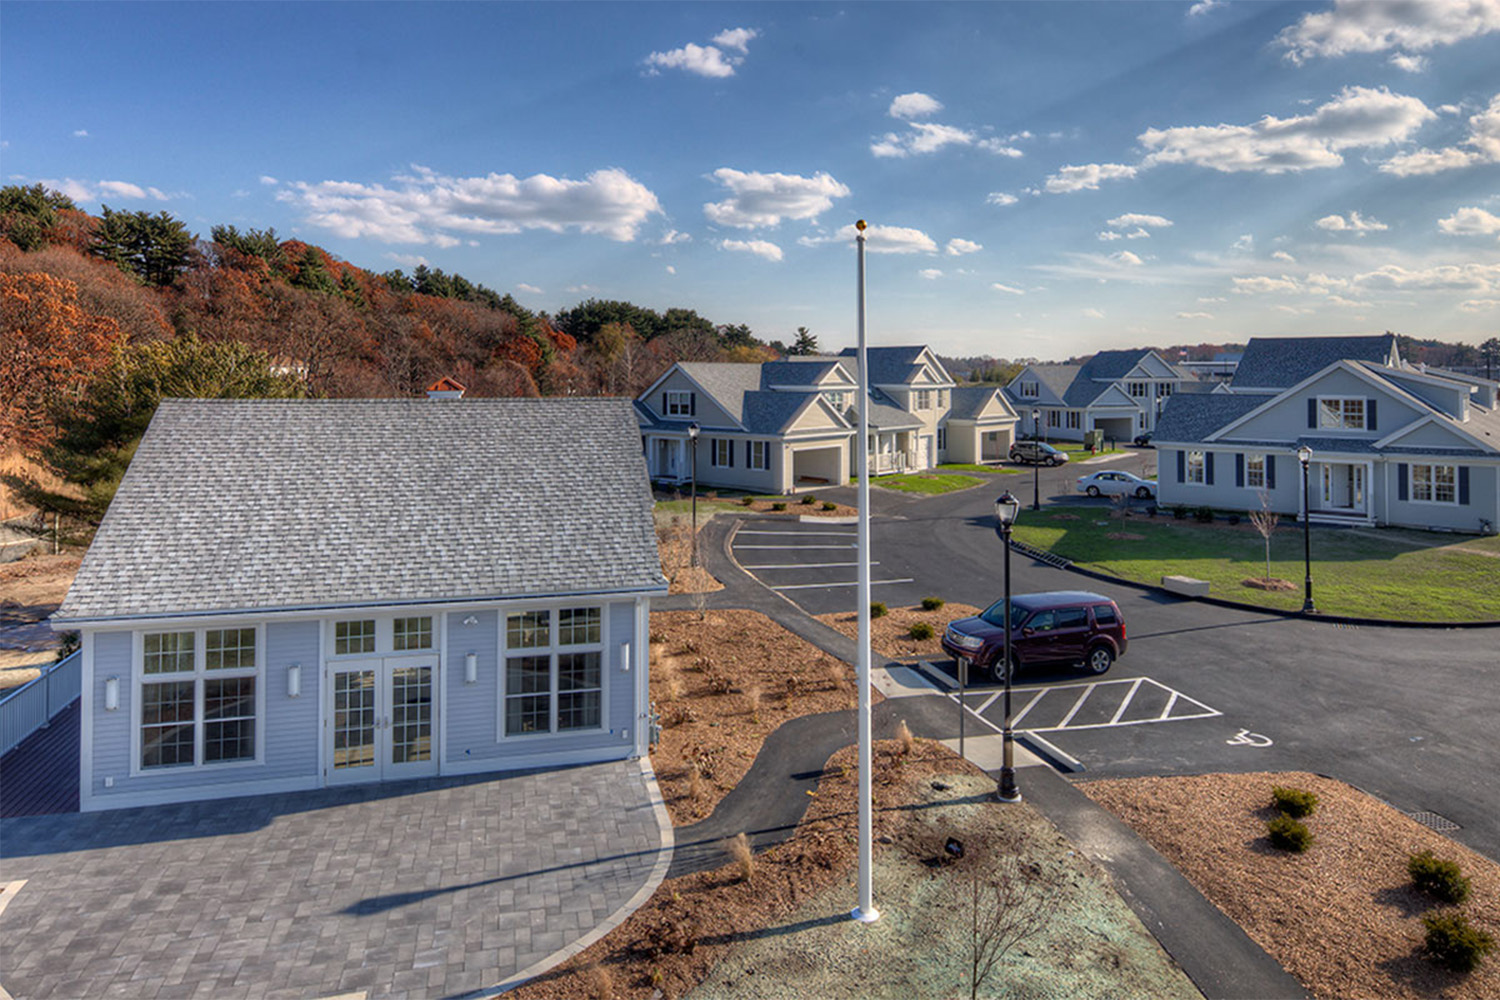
873,562
799,534
1016,720
1126,703
851,583
792,548
1174,700
990,700
1076,706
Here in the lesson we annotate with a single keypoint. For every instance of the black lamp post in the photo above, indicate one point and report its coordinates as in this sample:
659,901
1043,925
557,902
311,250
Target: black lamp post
1304,455
1036,466
693,461
1006,509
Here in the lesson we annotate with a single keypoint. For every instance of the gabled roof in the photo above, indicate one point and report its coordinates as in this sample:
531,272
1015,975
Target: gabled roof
896,365
234,506
774,412
1194,416
1113,365
1281,362
969,402
808,373
1055,377
726,381
885,416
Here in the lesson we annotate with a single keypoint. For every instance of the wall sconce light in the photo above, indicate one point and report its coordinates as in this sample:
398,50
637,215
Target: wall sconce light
111,693
294,680
472,620
625,657
471,668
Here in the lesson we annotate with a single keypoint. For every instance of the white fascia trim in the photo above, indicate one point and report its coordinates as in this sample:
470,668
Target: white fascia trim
1348,366
223,790
931,359
647,392
1439,377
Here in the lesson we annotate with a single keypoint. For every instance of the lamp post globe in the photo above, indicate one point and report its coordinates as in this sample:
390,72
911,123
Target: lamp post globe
1007,508
1304,456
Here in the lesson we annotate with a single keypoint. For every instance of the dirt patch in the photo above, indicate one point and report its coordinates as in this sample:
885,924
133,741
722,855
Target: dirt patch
1267,583
801,505
721,683
674,543
890,634
37,581
1066,517
784,931
1343,918
1124,536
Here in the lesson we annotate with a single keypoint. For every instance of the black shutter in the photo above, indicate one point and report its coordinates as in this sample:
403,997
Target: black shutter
748,463
1402,472
1370,415
713,452
664,404
1270,472
1312,412
1239,470
1463,484
692,404
1182,466
1208,468
730,449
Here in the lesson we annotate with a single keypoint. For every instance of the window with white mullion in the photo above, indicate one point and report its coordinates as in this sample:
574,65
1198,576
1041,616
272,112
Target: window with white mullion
554,671
1434,483
198,697
1255,471
1341,413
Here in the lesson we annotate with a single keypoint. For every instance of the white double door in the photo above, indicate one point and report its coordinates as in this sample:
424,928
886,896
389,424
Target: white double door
380,719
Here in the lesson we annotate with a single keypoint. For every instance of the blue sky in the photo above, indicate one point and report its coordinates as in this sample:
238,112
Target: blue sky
1041,180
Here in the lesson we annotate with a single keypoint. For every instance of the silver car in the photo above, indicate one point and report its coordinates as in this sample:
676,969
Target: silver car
1112,483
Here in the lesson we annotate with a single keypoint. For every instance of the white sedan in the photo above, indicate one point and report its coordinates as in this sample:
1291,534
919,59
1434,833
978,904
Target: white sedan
1113,484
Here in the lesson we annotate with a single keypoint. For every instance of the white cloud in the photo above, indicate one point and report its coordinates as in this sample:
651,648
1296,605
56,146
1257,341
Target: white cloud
1355,223
758,199
1092,313
1203,7
999,148
1484,137
1127,258
930,273
1358,118
1470,222
1109,235
761,248
1139,220
1479,305
1086,177
92,191
703,60
736,38
1007,289
1283,255
879,239
409,260
528,289
672,236
267,179
427,207
914,105
1408,63
1262,284
1244,242
958,247
80,133
924,137
671,269
1209,299
1195,315
1480,278
1412,26
1000,198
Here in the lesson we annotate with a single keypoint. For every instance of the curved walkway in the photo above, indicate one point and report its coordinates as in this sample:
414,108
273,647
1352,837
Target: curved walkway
424,888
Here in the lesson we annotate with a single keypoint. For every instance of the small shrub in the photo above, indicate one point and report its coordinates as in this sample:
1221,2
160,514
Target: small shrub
741,855
1438,877
1454,942
808,500
778,505
719,684
838,678
1233,519
747,500
921,630
1179,512
793,685
1295,802
1289,834
905,738
711,495
599,982
695,781
830,505
1204,514
932,603
878,609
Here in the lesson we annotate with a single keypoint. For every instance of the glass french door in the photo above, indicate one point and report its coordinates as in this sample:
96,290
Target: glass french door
381,719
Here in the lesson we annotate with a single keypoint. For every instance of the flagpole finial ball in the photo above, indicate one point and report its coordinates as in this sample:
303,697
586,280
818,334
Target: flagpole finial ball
860,225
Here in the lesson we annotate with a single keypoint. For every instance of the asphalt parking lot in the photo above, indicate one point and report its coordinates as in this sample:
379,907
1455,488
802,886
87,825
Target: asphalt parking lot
813,564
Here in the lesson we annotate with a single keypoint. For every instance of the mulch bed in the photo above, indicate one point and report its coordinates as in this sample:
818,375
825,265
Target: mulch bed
890,634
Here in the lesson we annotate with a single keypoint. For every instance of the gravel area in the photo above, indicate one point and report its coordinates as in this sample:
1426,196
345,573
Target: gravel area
890,634
1343,917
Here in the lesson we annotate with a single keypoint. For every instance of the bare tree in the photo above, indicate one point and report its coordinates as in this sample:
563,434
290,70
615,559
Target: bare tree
1265,522
1012,905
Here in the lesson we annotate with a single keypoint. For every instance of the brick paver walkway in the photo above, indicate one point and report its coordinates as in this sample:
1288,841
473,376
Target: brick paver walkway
426,888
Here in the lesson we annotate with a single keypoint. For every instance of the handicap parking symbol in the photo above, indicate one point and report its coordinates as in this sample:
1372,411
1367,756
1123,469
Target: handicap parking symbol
1245,738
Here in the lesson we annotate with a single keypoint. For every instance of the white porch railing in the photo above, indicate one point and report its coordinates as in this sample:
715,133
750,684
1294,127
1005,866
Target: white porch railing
887,462
31,706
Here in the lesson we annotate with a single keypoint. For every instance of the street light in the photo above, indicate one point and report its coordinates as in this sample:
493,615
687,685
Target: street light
693,448
1006,509
1304,455
1036,466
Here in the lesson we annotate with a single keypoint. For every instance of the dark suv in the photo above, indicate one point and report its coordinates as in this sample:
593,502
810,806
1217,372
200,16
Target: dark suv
1037,453
1061,626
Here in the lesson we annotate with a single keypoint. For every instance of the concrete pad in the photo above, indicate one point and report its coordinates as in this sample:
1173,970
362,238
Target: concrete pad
1185,585
988,751
901,682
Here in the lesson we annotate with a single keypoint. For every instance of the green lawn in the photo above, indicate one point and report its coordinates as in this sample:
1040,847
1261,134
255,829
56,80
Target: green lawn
666,510
926,482
1410,575
969,467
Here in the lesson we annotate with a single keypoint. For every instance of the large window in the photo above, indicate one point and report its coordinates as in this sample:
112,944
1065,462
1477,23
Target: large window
1434,483
924,399
723,453
1138,389
1194,467
679,404
554,672
1255,471
1054,418
1341,413
759,453
1074,419
198,697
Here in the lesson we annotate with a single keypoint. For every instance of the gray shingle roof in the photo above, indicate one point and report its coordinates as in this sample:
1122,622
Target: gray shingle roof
726,381
884,415
1056,377
794,372
772,412
1112,365
238,505
890,365
1195,416
969,400
1281,362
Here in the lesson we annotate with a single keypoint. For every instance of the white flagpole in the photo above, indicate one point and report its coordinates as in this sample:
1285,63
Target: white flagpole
865,912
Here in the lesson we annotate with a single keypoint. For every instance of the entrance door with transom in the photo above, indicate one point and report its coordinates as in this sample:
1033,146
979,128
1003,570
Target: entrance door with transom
379,720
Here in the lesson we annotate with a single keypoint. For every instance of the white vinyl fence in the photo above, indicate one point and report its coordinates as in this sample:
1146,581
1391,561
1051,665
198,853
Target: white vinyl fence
31,706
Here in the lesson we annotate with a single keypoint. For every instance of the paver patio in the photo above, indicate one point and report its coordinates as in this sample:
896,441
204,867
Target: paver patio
424,888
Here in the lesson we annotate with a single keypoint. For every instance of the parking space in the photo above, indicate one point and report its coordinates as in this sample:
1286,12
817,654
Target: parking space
814,565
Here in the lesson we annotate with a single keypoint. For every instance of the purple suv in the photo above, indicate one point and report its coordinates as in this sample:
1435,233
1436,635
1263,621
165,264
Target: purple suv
1061,626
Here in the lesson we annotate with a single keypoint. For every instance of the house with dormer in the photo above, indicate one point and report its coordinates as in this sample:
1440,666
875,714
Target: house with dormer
782,426
1390,443
1118,392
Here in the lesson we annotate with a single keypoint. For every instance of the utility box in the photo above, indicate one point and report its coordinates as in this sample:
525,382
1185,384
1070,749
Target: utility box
1093,440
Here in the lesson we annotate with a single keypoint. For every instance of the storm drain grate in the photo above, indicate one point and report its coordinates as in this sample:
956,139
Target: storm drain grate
1431,820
